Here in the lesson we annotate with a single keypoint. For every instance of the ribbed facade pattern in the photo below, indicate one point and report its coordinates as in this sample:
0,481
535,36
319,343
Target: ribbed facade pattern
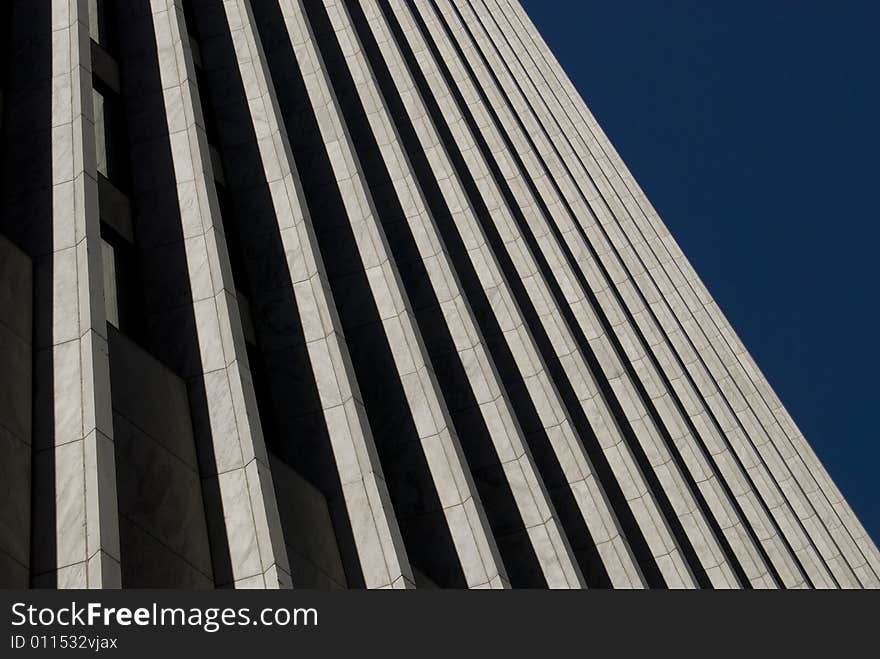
357,293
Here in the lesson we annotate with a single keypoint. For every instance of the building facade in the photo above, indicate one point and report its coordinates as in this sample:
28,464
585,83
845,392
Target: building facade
356,293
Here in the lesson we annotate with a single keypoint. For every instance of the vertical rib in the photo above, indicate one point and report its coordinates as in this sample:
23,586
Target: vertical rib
698,325
599,320
700,442
537,515
709,420
615,449
461,505
78,446
592,504
380,549
257,554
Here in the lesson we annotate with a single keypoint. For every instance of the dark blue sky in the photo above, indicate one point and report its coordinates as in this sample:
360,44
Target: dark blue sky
753,128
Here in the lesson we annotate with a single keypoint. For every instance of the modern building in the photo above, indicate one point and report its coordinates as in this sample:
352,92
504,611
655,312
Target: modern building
356,293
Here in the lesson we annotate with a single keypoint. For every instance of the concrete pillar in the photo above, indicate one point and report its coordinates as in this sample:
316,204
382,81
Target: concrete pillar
689,325
77,536
381,553
460,503
240,473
